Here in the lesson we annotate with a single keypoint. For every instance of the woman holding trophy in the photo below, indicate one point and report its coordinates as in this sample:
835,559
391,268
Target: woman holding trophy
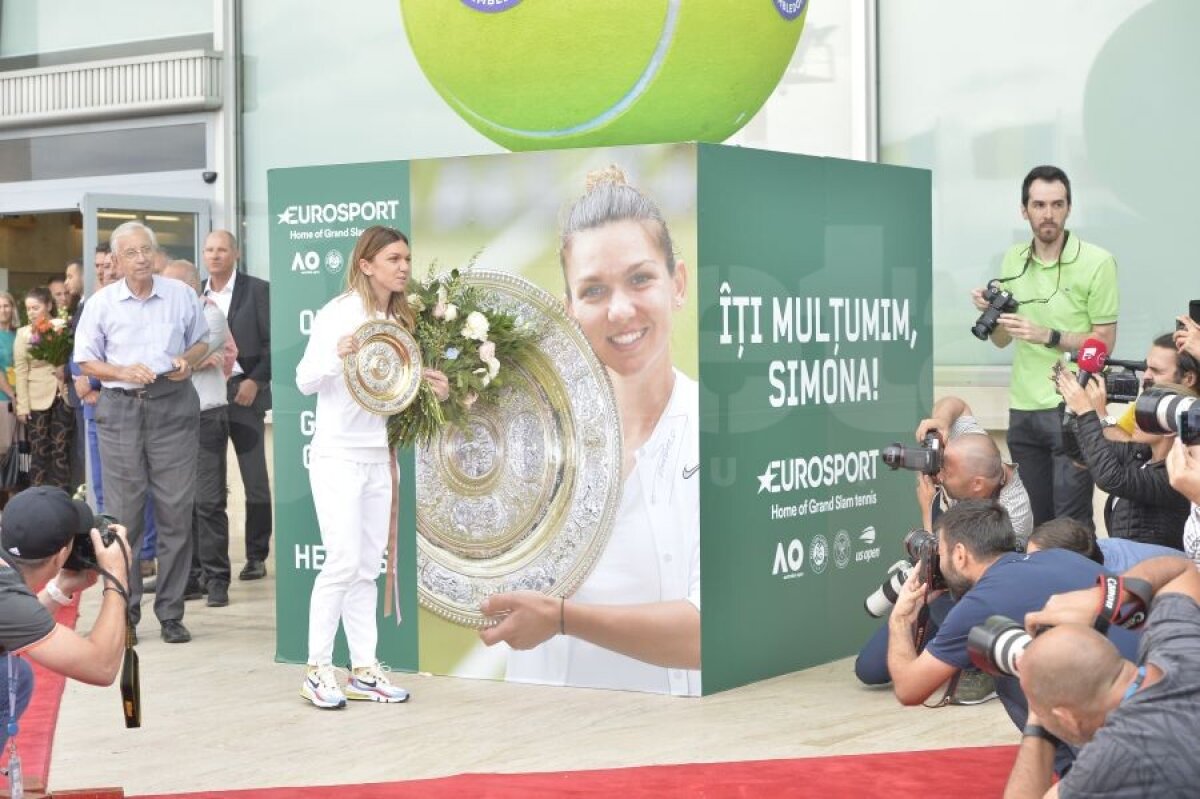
634,623
351,471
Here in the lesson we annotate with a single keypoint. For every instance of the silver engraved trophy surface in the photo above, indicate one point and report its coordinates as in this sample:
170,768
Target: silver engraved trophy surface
384,376
523,494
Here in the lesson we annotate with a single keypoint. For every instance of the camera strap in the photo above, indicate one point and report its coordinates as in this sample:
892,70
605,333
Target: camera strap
16,782
1132,614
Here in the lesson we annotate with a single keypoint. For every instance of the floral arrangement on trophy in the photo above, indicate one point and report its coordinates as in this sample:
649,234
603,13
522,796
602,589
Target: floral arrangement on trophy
469,341
51,340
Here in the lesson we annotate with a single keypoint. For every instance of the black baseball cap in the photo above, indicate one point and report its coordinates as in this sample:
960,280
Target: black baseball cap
39,521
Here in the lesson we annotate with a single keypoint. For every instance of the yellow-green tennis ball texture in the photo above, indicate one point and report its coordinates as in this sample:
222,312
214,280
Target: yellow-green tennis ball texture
536,74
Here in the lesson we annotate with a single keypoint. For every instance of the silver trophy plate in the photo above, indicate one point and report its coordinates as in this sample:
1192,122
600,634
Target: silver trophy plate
523,494
385,374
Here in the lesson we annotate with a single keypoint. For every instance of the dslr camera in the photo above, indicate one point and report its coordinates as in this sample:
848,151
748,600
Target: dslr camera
996,645
83,554
922,549
926,458
999,301
1164,412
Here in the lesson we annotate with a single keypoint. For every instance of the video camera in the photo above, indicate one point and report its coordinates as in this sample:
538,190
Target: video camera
1164,412
1121,386
999,302
926,458
922,549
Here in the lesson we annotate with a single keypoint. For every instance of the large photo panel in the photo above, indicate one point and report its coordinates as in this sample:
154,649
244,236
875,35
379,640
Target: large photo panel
624,221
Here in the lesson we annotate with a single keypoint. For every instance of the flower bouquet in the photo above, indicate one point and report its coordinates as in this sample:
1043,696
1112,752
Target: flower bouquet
464,338
51,340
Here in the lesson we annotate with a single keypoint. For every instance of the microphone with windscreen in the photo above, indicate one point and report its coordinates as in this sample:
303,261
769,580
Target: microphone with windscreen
1092,357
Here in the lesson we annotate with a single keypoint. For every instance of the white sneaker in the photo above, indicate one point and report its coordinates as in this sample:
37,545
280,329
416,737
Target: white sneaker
321,688
371,684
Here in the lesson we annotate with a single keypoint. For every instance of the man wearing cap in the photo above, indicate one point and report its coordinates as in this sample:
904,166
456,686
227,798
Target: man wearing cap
37,531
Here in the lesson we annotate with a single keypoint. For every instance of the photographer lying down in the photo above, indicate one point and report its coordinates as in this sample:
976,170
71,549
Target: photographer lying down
38,530
975,556
1137,722
1141,505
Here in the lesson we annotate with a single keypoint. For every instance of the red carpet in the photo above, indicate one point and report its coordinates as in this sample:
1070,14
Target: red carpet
949,773
36,736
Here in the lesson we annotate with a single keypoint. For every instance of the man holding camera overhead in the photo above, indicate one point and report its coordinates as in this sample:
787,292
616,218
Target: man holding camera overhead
37,532
1137,721
975,546
1067,290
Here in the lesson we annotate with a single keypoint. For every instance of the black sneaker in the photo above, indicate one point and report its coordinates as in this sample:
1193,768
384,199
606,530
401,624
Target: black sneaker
254,570
173,632
218,594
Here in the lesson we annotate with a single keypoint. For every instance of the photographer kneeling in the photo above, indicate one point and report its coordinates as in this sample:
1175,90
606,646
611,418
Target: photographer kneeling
38,529
975,544
1137,722
1141,504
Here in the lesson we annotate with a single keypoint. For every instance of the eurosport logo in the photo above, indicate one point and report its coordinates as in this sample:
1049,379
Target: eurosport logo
327,213
867,536
789,559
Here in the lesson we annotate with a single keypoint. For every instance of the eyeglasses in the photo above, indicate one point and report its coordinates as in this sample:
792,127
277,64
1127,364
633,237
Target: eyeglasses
131,253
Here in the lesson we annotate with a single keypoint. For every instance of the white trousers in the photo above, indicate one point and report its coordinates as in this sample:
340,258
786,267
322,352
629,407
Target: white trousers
354,504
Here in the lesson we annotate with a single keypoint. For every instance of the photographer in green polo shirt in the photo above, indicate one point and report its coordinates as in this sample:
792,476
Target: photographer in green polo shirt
1067,290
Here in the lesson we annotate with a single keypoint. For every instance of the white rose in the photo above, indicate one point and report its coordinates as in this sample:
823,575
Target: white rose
57,323
451,312
476,326
416,303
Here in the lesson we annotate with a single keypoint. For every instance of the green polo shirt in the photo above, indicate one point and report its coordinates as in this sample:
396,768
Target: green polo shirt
1086,281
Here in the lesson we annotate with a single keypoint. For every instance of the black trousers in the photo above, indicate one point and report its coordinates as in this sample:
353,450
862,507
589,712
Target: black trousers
1056,486
210,522
247,430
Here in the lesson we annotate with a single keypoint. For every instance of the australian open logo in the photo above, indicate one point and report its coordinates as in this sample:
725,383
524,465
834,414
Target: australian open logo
492,6
818,553
788,9
334,261
841,549
789,559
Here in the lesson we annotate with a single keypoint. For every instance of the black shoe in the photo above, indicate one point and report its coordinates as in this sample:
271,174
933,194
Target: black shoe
218,594
173,632
193,590
254,570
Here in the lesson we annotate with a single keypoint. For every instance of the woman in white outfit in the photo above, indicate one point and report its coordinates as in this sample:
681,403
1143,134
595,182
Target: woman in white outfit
634,624
351,472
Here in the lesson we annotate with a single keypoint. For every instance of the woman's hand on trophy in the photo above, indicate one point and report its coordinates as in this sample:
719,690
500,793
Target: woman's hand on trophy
521,619
348,345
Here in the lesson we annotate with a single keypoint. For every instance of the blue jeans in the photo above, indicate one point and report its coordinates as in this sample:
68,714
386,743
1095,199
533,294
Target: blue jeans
871,665
24,674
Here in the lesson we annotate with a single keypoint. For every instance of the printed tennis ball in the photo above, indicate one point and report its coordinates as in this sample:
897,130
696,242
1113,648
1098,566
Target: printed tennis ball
536,74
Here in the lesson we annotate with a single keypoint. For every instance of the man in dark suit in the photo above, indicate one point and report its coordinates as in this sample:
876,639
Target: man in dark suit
245,301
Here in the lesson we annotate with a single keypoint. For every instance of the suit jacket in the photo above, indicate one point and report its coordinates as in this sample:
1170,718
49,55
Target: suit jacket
36,385
250,322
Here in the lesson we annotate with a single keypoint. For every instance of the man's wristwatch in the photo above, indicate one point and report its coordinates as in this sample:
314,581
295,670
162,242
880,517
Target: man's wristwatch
1108,421
1038,731
1055,337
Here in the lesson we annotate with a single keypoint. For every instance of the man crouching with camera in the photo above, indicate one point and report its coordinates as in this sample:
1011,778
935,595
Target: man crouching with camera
1137,722
975,555
38,530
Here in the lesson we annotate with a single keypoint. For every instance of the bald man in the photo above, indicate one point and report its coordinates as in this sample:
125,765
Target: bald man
972,468
1137,723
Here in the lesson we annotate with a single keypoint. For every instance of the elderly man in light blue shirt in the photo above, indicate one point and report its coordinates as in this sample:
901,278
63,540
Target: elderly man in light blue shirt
140,337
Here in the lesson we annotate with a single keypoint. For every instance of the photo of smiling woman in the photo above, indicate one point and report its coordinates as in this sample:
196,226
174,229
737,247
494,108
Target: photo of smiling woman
352,473
634,624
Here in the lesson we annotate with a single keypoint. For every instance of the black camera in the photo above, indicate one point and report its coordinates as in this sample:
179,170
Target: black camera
999,301
83,553
1164,412
1122,387
996,645
881,600
926,458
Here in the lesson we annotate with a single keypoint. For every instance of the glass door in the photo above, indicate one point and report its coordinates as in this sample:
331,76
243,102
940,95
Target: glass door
179,225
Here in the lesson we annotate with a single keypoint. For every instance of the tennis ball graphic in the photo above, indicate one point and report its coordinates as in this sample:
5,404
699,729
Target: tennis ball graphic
536,74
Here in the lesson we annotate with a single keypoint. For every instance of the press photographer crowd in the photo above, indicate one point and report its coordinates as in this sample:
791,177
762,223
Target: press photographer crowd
1091,643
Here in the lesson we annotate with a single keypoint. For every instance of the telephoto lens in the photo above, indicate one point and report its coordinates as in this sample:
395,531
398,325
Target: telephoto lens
883,598
996,645
1165,412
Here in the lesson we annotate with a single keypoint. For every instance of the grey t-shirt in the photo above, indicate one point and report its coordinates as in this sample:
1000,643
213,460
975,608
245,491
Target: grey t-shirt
1147,747
23,620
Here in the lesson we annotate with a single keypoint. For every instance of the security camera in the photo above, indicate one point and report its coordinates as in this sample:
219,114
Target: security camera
209,177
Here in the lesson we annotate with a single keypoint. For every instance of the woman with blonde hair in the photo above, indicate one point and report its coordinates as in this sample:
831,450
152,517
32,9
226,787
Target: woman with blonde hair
41,402
351,471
